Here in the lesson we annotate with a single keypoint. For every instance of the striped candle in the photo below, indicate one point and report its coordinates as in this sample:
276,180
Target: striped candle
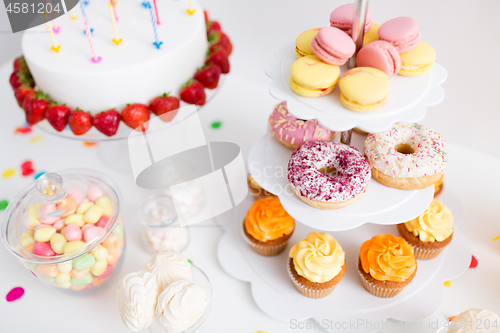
112,2
156,13
95,58
117,40
157,42
54,47
191,9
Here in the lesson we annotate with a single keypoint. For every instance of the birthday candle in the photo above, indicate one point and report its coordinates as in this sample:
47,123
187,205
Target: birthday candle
112,2
54,47
156,13
117,40
191,9
157,42
95,58
55,27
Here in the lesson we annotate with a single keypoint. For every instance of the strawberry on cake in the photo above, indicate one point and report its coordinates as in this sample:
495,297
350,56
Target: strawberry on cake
133,79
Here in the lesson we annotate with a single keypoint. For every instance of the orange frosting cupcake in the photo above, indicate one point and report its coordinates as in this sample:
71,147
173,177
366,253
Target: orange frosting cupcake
267,226
386,265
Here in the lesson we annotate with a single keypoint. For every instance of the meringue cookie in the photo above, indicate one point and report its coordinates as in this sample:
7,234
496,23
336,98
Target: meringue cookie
475,321
136,297
169,266
181,305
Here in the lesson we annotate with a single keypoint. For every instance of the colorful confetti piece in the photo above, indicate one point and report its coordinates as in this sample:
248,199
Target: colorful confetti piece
473,262
496,238
216,124
8,173
90,144
189,260
36,138
447,283
27,168
23,130
261,332
452,318
3,204
15,294
38,175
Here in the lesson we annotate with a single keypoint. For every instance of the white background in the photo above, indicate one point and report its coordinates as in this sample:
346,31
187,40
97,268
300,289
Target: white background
467,44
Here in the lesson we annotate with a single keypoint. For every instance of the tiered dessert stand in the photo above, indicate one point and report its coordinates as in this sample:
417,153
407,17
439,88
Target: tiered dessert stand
376,212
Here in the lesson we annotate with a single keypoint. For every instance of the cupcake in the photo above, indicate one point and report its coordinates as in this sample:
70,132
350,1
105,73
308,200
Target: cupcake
429,233
316,265
255,190
268,227
386,265
438,186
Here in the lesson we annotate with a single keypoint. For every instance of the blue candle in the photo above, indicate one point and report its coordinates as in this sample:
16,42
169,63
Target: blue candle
157,42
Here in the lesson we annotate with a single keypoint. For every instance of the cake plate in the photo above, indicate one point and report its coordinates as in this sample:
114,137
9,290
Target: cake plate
408,100
349,304
268,160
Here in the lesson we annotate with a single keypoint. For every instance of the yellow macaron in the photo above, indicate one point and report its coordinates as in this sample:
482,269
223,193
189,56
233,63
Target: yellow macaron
311,77
372,34
364,89
417,61
303,42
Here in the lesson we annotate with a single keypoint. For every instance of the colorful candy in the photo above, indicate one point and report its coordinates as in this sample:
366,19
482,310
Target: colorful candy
94,233
84,207
76,194
68,205
93,214
94,192
65,267
83,281
84,262
43,249
73,233
100,253
73,246
57,242
76,219
105,203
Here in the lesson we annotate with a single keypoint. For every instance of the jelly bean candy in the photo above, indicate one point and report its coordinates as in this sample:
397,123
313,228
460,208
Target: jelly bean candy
44,234
72,232
93,214
76,219
99,268
70,247
84,262
83,281
118,231
105,203
100,253
57,242
84,207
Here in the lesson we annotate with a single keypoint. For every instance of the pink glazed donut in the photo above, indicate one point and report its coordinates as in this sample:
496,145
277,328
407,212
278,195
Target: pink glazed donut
328,175
292,132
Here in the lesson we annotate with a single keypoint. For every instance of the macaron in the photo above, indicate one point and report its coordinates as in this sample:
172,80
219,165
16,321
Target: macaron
311,77
364,89
417,61
372,34
381,55
342,16
402,32
333,46
303,42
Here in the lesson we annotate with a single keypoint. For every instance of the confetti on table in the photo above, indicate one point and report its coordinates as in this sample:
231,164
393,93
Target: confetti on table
90,144
261,332
189,261
23,130
452,318
3,204
473,262
496,238
447,283
36,138
38,175
8,173
216,124
15,294
27,168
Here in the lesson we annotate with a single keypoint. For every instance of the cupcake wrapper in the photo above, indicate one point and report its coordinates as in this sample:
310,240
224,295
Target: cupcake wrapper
265,250
377,290
426,254
311,292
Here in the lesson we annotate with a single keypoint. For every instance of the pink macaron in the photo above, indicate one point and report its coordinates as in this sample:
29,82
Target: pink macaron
402,32
342,16
381,55
333,46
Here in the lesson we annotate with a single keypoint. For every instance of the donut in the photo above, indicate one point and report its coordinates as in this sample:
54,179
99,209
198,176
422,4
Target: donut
328,175
292,132
407,156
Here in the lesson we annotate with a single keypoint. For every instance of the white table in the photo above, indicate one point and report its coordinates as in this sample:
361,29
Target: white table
243,106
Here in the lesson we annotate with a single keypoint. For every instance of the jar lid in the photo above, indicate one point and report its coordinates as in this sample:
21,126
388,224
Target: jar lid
158,211
61,216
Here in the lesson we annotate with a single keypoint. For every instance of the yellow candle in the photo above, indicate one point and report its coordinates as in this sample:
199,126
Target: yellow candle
54,47
191,9
117,40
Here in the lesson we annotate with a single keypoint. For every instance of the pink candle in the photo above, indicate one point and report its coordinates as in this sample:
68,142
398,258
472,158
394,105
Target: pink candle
95,58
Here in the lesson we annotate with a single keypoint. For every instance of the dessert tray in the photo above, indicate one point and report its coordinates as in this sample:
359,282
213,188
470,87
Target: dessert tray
408,98
268,160
276,295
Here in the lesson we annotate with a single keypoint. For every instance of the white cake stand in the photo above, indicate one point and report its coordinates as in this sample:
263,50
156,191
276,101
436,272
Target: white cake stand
275,294
408,100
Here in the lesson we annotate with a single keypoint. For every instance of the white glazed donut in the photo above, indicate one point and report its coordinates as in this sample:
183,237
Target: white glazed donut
322,190
407,156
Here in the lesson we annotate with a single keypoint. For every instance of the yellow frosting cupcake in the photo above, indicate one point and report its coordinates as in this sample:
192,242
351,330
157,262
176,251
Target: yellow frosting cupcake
303,43
430,232
386,265
316,264
311,77
267,226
